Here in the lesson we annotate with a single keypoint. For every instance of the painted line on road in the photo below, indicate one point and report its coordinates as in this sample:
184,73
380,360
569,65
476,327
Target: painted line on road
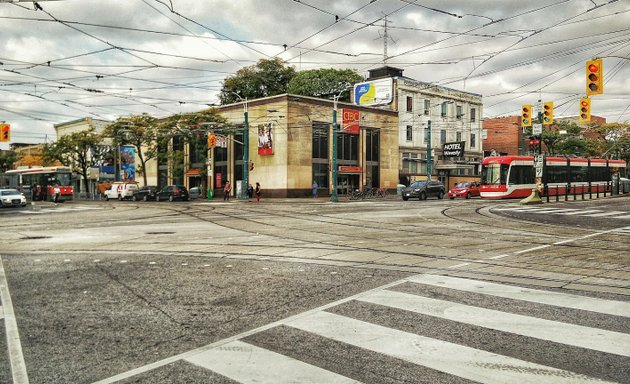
247,363
498,257
16,357
558,332
473,364
459,265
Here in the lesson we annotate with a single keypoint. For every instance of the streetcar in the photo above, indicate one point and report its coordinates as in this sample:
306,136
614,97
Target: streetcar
39,183
507,177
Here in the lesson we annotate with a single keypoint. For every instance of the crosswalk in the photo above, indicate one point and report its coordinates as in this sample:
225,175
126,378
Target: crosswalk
453,330
595,213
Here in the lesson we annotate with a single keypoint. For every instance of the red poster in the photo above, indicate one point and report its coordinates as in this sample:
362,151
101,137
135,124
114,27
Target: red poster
218,180
350,121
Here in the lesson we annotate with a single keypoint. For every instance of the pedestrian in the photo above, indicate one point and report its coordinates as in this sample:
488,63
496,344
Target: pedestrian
250,191
57,193
315,186
227,189
257,191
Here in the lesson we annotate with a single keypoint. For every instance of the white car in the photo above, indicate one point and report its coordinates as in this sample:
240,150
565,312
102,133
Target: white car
12,198
121,191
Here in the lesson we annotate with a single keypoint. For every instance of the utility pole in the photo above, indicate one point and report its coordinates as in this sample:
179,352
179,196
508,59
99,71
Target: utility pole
333,162
245,152
429,159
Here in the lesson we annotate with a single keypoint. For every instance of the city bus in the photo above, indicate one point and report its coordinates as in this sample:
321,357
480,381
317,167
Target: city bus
507,177
39,183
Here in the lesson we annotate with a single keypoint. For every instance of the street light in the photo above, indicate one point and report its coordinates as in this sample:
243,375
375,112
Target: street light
245,147
429,157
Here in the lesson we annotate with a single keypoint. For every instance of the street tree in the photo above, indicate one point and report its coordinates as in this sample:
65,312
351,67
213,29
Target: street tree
7,159
191,129
265,78
77,150
141,131
325,82
617,140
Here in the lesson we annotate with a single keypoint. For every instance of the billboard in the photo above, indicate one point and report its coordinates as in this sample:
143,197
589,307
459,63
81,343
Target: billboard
374,92
265,139
350,121
128,162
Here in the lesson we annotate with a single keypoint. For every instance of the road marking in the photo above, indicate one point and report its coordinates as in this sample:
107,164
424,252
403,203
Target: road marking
249,364
581,212
498,257
557,299
469,363
611,213
16,357
459,265
558,332
621,217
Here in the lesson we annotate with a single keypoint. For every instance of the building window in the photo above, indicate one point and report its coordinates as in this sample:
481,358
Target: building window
459,112
473,140
444,109
442,136
409,133
320,141
372,144
410,163
473,114
459,136
427,107
409,104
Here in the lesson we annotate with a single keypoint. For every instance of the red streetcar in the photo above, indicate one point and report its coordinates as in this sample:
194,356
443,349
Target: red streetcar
39,183
506,177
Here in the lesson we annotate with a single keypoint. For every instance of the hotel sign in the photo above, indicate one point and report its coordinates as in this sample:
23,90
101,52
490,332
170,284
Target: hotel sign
455,149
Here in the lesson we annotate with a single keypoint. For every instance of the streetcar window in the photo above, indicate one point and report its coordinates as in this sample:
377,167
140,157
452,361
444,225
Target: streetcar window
494,174
556,174
522,174
579,174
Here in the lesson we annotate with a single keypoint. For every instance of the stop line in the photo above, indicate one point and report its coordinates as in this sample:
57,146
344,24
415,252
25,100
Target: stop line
566,211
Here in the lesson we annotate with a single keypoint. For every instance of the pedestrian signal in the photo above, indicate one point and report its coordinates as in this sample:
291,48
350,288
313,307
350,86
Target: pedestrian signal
585,110
594,77
5,133
526,115
548,113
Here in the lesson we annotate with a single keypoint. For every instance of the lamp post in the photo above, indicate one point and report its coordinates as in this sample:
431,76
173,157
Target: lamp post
429,149
245,147
333,162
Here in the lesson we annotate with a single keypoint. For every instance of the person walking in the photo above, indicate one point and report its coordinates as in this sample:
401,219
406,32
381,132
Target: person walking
227,189
250,191
315,186
56,193
257,191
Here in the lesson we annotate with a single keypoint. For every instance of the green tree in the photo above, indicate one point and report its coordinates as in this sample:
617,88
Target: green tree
266,78
7,159
617,140
77,150
325,82
192,128
141,131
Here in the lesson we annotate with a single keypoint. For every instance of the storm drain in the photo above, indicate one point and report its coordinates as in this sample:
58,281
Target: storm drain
35,237
159,233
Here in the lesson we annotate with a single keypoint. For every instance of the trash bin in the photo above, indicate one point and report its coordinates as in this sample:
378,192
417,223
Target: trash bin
399,189
210,194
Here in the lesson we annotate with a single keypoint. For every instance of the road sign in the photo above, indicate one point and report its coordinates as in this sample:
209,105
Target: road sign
537,129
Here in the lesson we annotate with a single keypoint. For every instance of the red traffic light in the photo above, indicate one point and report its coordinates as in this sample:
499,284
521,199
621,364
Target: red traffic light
593,68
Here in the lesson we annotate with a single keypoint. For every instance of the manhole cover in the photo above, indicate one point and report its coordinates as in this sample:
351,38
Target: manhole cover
160,233
34,237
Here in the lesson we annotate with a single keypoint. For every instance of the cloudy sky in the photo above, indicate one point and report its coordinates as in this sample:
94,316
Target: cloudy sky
69,59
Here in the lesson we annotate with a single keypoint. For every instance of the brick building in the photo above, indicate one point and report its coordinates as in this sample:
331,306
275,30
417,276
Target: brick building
503,135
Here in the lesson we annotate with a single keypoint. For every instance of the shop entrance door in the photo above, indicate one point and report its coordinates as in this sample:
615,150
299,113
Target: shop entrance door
347,183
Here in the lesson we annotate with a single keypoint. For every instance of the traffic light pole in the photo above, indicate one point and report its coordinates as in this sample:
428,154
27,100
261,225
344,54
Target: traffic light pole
429,158
245,153
333,161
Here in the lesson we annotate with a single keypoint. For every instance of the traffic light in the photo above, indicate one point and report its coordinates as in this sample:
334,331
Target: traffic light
548,113
526,115
585,110
594,77
5,133
212,140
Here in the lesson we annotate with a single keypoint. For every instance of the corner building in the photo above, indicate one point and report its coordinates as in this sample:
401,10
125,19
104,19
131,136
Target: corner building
290,146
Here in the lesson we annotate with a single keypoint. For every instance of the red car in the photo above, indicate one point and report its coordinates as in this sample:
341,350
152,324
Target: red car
465,190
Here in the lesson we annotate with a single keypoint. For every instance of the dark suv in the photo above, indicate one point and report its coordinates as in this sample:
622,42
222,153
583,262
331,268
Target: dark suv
173,192
145,193
423,189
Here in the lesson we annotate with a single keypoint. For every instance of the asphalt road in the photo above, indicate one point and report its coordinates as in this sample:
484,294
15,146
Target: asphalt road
308,291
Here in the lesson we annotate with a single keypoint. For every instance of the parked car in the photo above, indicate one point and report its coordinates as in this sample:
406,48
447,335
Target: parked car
423,189
121,190
465,190
194,192
12,198
146,193
172,193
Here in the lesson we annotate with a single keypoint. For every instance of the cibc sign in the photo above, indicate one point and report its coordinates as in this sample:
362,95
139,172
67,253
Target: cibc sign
455,149
350,121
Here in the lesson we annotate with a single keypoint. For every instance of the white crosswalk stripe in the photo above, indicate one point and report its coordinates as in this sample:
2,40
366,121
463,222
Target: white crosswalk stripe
74,208
564,211
260,360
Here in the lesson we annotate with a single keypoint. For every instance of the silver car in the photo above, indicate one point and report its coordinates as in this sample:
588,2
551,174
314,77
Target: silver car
12,198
